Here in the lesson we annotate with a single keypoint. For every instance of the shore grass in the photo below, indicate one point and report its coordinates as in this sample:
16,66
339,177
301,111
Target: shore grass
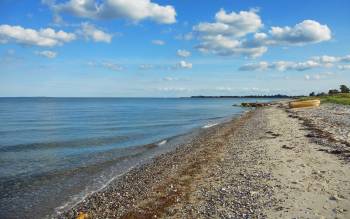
343,98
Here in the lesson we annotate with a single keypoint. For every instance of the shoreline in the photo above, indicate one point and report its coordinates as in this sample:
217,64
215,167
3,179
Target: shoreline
256,165
158,165
164,147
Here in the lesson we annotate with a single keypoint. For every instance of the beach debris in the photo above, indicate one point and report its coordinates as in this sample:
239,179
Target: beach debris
255,104
82,215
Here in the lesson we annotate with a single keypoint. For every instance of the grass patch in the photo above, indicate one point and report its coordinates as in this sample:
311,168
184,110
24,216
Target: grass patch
343,98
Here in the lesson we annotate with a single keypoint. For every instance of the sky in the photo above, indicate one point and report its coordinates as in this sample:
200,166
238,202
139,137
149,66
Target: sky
172,48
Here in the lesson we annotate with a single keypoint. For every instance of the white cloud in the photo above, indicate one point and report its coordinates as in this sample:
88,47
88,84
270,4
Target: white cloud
89,31
47,37
308,31
314,62
224,37
280,66
158,42
345,58
225,46
184,64
302,66
183,53
174,89
112,66
318,76
344,67
170,79
46,53
231,24
134,10
254,66
325,59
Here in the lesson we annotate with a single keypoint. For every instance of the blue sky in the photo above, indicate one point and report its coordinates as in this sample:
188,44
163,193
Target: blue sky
156,48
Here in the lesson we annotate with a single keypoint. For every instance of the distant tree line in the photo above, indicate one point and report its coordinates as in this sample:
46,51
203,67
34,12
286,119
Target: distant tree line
247,96
342,89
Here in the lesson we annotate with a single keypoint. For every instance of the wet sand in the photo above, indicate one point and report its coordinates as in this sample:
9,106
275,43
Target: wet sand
268,163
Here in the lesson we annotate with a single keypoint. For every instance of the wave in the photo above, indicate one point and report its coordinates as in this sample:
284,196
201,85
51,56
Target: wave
210,125
162,142
97,141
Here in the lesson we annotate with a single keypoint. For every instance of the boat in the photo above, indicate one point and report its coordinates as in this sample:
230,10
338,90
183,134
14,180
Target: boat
304,103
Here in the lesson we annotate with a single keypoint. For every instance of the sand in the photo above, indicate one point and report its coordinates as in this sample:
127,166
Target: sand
268,163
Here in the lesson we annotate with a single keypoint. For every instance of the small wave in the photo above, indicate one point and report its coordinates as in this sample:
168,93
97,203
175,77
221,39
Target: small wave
162,142
97,141
210,125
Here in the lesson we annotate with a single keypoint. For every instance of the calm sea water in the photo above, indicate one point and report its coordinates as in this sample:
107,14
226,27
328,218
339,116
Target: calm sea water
55,151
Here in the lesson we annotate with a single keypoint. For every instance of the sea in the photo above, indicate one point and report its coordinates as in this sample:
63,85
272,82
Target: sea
56,151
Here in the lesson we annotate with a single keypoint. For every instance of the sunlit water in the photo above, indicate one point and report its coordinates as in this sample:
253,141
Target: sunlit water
55,151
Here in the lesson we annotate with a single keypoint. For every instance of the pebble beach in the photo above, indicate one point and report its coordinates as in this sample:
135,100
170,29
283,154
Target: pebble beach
271,162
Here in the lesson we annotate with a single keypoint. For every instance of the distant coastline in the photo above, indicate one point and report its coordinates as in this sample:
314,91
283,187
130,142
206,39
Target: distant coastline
249,96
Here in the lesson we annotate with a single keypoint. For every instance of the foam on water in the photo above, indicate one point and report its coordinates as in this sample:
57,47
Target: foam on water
210,125
162,142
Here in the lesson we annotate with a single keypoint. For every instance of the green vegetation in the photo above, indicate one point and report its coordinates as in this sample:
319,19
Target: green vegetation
341,96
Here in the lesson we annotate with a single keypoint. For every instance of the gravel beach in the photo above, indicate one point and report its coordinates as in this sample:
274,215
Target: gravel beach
271,162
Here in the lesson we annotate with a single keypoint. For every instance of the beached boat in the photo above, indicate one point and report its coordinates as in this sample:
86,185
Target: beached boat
304,103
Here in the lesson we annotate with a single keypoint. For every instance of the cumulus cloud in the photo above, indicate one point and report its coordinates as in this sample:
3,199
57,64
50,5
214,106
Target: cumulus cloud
135,10
90,32
158,42
225,46
280,66
325,59
231,24
314,62
254,66
222,36
345,58
228,34
47,37
184,64
183,53
46,53
318,76
344,67
308,31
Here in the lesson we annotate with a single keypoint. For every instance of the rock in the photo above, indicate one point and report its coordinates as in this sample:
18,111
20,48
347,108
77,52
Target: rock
287,147
334,198
254,193
338,210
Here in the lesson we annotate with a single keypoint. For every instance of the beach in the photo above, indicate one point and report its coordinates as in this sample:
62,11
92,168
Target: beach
271,162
